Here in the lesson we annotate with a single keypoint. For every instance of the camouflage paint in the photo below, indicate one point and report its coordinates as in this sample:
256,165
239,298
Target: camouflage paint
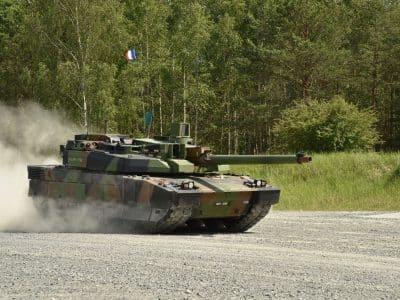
158,183
213,196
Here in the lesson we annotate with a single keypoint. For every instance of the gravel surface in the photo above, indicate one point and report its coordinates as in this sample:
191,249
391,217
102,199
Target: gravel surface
301,255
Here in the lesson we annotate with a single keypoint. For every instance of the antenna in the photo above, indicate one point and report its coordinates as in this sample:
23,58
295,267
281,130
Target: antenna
148,119
184,112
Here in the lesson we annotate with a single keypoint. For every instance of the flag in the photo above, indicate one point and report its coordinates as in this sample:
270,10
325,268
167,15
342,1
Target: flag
130,54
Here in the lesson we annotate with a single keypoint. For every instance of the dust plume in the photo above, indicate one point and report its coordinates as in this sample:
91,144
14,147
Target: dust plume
30,134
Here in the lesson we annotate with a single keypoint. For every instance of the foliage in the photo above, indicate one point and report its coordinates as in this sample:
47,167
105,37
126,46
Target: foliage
237,65
325,126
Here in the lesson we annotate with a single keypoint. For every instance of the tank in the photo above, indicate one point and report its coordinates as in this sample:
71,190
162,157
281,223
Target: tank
156,185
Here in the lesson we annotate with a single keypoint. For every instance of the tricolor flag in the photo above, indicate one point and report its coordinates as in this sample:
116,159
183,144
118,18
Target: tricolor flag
130,54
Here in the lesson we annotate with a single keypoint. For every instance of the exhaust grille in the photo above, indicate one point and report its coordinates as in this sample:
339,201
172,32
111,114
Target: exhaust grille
35,172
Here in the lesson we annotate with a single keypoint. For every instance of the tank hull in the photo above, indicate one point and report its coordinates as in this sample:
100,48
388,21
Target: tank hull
156,204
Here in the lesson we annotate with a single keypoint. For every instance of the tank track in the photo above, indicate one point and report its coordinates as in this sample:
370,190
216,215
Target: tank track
256,212
177,217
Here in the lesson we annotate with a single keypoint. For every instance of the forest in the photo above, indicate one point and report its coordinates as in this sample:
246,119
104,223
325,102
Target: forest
229,67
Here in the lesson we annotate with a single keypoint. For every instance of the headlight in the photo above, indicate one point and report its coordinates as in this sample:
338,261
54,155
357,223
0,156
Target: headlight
255,183
261,183
187,185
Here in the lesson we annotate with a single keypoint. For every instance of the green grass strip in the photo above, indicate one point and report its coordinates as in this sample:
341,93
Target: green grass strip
336,181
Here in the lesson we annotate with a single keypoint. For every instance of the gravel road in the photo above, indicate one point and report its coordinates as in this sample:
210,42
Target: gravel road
301,255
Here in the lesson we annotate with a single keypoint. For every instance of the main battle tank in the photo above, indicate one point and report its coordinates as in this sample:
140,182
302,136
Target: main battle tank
156,185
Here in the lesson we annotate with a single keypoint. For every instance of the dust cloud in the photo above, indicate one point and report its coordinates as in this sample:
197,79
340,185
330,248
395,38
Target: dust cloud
30,134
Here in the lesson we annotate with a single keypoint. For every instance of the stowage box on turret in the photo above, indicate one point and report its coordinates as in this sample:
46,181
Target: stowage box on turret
157,184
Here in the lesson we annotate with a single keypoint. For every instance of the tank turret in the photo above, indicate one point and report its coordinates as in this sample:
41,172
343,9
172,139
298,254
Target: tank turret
162,154
158,184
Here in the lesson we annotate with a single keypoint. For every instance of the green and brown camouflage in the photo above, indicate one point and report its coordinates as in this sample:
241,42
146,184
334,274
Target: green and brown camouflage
158,184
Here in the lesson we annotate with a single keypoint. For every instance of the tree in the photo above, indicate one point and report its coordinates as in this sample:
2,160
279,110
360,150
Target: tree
310,50
69,41
374,78
324,126
129,95
226,59
232,66
190,31
11,13
147,23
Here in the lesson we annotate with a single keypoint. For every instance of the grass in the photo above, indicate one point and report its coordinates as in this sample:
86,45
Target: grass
337,181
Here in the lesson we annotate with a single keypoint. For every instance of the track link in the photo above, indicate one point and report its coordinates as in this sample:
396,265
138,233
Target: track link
176,218
256,212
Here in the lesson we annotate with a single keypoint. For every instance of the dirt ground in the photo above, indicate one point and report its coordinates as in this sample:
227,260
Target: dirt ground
301,255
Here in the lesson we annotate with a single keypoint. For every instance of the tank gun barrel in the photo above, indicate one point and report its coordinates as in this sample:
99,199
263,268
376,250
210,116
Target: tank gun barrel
255,159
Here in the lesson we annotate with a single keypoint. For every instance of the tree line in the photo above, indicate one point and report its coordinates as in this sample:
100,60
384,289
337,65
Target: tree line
229,67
